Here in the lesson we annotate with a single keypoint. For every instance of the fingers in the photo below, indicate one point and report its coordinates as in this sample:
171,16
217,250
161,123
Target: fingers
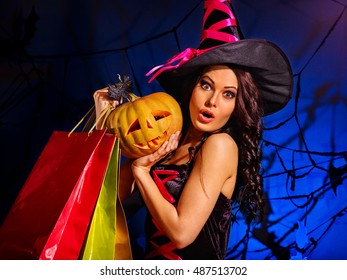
146,162
100,94
101,97
168,146
102,100
172,143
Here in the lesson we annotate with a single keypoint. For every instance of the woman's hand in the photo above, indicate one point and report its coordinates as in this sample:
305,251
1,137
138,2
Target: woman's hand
144,164
102,100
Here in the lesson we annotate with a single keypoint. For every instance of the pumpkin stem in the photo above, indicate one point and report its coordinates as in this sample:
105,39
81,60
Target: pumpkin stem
122,89
132,97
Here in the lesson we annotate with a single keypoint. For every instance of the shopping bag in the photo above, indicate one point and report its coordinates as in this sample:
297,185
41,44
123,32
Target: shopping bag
108,236
50,217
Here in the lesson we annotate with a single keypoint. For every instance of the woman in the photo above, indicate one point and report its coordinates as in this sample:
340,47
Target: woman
216,158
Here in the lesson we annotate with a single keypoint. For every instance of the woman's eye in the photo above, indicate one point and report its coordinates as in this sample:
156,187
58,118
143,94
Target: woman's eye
229,94
205,85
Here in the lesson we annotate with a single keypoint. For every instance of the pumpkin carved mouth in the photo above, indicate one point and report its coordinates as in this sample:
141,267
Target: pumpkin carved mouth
158,115
152,143
150,124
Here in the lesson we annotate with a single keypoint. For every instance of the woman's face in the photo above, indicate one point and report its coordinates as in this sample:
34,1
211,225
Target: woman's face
213,98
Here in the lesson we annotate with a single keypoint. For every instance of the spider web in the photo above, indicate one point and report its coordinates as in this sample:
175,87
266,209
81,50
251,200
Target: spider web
304,146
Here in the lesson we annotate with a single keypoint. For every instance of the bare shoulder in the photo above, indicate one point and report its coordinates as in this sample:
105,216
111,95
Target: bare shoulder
219,157
221,143
219,149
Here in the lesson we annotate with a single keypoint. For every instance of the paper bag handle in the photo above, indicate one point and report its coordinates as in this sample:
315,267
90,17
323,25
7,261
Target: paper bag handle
104,114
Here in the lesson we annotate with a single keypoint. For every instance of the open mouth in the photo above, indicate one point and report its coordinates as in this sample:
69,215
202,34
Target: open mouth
206,116
207,113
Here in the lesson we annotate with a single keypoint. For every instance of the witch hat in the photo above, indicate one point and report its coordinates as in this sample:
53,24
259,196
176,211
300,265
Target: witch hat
221,44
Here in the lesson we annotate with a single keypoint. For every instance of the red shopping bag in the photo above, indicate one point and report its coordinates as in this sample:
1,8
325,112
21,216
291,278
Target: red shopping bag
50,217
108,236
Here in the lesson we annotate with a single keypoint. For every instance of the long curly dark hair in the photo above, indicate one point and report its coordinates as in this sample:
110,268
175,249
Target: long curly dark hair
245,126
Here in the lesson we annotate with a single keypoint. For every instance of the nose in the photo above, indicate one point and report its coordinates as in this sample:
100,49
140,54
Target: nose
212,101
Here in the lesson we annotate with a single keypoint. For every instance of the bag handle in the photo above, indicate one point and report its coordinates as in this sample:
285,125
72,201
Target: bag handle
104,114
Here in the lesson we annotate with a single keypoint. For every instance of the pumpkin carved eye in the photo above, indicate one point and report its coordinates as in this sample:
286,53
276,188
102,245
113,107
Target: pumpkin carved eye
158,115
135,126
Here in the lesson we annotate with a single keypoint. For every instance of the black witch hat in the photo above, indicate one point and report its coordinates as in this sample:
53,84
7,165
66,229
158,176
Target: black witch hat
221,44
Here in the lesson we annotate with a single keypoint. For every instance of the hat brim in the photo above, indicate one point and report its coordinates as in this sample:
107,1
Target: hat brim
265,61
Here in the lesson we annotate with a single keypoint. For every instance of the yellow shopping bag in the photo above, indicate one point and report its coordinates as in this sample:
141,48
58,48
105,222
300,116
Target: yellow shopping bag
108,236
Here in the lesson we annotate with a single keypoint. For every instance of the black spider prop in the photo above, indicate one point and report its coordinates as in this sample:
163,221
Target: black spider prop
122,89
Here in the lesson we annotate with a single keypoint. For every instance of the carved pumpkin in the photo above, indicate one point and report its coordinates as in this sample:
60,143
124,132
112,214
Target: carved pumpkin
144,124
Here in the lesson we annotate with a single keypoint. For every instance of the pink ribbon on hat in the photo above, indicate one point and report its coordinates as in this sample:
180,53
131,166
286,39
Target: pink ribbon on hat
212,33
211,5
181,57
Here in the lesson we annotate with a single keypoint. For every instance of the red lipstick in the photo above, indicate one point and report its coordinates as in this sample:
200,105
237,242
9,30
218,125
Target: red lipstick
206,116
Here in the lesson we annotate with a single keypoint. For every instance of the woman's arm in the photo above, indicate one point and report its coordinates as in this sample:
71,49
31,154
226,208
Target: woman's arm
214,172
101,101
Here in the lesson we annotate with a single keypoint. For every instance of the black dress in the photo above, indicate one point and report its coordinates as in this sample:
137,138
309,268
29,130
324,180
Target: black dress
212,241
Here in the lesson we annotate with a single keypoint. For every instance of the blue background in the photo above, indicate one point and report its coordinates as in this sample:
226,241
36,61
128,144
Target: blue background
55,54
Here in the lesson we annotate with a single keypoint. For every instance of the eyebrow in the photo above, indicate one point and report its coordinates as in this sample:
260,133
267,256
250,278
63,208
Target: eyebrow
206,76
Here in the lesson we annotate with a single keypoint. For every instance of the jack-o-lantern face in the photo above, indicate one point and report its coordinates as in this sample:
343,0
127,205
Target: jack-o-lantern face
143,125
